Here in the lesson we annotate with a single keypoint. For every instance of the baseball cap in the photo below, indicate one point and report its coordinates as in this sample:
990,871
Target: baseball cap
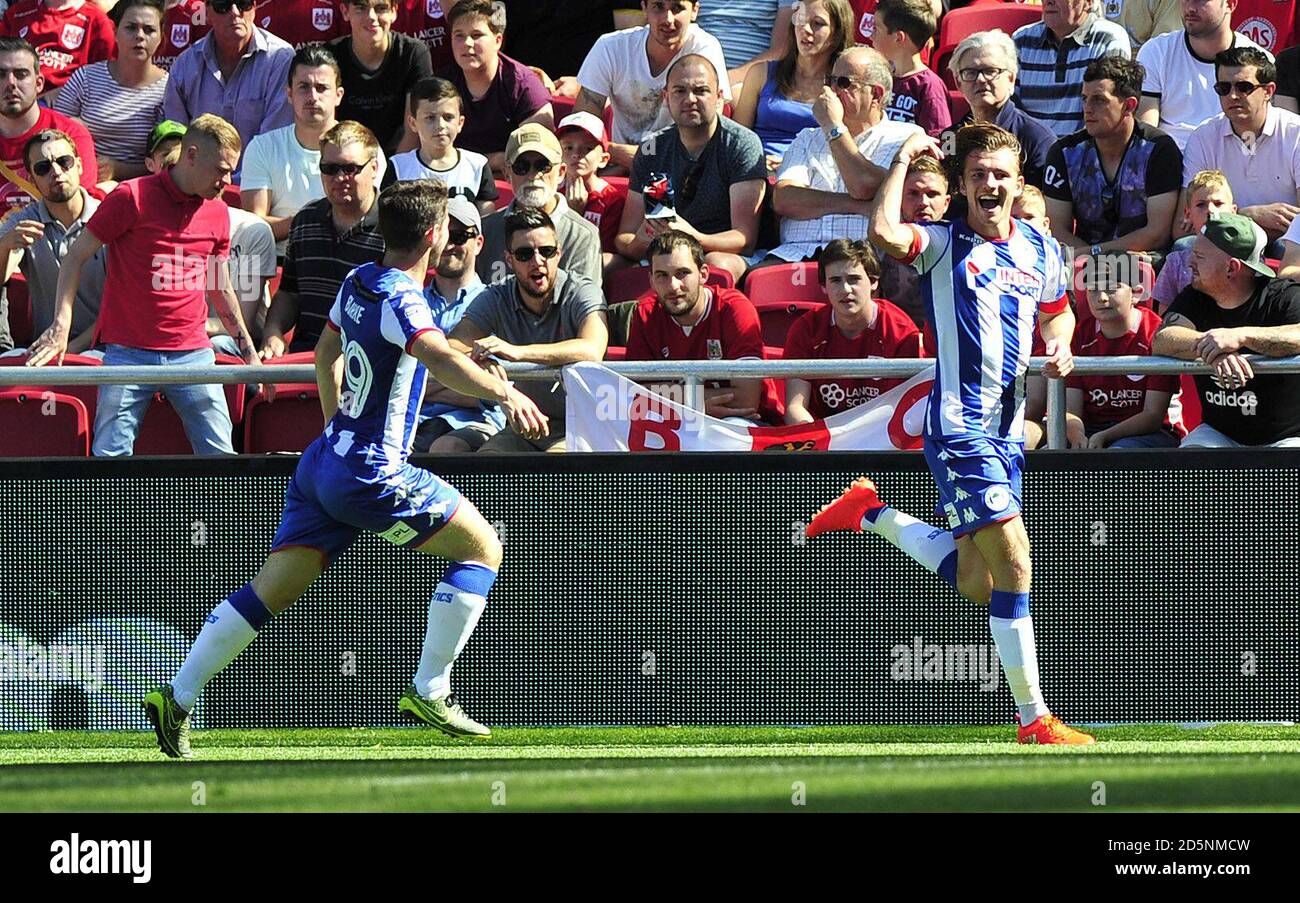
168,128
587,122
536,138
464,212
1238,237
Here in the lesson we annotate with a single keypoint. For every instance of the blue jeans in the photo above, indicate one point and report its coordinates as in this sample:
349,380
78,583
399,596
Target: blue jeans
120,409
1159,439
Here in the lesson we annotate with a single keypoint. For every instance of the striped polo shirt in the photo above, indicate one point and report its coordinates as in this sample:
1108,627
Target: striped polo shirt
1049,86
319,259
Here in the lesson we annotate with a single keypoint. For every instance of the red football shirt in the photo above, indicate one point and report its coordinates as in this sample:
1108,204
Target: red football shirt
728,331
605,209
426,20
303,22
162,245
864,15
1109,399
183,25
65,39
1269,23
16,188
814,336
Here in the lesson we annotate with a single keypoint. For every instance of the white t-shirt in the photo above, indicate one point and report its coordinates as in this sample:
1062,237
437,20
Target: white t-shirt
471,177
275,160
1264,171
252,260
1184,83
808,163
618,68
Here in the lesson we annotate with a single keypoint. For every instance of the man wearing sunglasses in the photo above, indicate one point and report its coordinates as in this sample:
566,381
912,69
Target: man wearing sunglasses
451,422
1253,143
541,315
1112,185
327,239
238,71
37,238
535,163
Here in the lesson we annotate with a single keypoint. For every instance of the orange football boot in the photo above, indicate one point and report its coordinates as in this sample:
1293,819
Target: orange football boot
847,511
1049,729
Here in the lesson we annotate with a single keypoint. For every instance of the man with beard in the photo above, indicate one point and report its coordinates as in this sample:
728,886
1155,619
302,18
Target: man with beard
449,420
541,315
535,162
984,277
36,238
21,118
1177,92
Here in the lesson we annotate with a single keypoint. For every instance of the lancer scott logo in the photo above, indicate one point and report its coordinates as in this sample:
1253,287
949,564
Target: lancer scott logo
1247,401
103,857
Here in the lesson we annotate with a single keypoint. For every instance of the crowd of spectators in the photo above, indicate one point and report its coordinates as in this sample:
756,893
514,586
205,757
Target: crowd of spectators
180,178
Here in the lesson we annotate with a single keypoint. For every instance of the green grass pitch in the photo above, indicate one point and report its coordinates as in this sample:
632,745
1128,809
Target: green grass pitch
887,769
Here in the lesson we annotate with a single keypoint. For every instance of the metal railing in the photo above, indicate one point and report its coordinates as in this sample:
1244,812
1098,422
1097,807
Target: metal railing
692,372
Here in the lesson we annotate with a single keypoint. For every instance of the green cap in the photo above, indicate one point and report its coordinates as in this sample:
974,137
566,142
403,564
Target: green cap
168,128
1238,237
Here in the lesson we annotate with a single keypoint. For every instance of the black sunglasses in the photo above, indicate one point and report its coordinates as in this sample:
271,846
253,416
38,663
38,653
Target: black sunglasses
844,82
43,168
461,236
1245,89
347,169
525,254
221,7
522,167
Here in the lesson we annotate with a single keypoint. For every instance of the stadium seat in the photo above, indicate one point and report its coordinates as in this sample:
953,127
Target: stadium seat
961,23
163,433
616,353
230,194
633,282
958,105
20,310
43,424
273,284
87,394
505,194
289,424
776,317
619,182
784,282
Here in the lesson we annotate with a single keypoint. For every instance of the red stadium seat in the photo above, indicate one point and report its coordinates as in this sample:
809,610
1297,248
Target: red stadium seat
41,424
87,394
505,194
163,433
616,353
958,105
619,182
273,284
961,23
20,310
784,282
230,194
289,424
776,317
633,282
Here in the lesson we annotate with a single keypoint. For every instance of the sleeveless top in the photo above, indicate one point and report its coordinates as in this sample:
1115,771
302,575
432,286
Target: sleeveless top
778,118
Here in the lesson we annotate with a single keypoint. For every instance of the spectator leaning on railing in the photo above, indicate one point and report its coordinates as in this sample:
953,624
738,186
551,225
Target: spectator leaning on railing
168,238
1233,308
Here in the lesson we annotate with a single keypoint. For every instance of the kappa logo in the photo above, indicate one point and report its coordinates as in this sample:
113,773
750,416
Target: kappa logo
322,19
180,35
72,36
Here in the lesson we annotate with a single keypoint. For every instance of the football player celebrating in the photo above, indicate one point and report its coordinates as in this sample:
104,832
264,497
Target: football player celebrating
356,476
982,278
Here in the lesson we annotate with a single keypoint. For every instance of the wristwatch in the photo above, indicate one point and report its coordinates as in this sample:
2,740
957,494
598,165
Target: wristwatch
836,132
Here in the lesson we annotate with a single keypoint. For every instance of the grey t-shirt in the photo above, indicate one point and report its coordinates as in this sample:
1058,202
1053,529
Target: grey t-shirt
499,311
578,237
702,187
40,265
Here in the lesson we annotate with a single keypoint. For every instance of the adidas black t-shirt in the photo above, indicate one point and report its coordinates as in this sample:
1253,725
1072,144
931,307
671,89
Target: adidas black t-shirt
1267,408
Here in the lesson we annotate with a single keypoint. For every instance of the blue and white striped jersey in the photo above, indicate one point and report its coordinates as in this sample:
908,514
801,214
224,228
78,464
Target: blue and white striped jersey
982,297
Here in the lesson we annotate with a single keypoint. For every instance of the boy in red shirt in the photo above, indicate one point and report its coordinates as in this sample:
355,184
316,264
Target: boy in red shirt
854,325
1119,411
903,27
66,34
586,153
683,319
